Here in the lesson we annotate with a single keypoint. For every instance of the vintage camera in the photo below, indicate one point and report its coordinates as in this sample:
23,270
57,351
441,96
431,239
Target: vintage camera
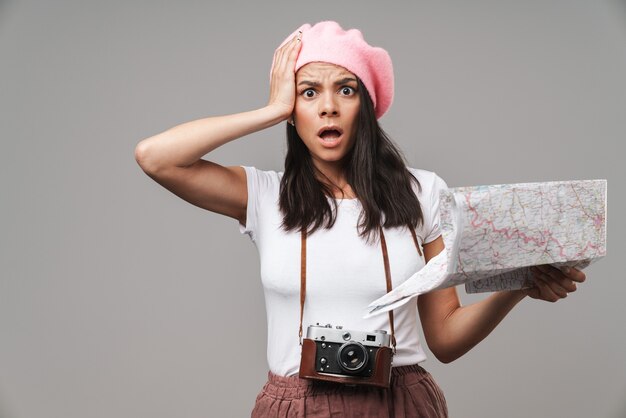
345,356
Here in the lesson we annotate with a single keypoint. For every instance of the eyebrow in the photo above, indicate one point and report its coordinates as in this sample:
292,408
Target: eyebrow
316,83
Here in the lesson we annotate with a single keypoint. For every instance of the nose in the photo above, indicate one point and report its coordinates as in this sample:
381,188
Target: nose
328,105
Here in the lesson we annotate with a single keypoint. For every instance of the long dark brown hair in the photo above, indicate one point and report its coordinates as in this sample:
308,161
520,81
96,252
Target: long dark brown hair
375,169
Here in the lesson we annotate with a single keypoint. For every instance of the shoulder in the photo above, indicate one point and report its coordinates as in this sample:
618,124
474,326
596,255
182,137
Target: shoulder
262,178
263,190
429,181
257,172
430,186
422,174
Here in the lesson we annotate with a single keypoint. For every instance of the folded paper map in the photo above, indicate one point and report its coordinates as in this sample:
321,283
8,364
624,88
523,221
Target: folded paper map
494,234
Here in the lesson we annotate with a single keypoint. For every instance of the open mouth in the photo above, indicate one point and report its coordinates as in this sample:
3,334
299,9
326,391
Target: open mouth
330,134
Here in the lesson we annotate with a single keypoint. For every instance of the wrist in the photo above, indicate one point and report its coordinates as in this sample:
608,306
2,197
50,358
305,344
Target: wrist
279,111
513,296
507,299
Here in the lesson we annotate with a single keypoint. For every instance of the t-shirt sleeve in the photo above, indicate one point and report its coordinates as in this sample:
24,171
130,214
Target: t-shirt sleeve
260,184
432,228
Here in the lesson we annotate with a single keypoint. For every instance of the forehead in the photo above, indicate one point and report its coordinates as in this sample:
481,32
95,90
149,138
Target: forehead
315,70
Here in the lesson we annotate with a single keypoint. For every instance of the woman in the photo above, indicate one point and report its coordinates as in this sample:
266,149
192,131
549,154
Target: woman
343,180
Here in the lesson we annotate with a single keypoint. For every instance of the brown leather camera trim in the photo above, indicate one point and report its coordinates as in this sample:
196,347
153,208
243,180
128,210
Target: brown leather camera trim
380,378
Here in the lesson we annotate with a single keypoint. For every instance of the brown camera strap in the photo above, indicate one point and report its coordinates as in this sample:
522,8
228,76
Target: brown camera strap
383,245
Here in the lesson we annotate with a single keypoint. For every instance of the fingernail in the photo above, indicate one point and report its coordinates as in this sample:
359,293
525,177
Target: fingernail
566,270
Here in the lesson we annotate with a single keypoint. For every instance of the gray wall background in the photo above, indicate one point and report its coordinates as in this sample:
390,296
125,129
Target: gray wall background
117,299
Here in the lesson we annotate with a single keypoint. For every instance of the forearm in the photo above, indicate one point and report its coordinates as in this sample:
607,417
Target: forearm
185,144
468,325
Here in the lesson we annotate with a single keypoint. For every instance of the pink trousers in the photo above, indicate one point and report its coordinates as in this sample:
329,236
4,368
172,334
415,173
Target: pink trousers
412,393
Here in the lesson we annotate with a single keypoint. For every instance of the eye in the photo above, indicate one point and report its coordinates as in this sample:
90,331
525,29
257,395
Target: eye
308,93
347,91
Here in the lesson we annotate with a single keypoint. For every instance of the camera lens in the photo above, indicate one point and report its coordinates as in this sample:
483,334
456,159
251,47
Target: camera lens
352,357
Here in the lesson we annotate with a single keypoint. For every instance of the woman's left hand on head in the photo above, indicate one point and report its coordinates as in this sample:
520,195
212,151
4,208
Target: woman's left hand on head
552,283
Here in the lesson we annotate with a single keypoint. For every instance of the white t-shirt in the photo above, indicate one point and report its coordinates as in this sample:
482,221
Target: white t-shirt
344,273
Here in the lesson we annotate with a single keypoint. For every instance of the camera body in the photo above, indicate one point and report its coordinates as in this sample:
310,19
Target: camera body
346,356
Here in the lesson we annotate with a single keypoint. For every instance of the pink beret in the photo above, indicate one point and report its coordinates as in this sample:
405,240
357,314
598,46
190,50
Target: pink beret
328,42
